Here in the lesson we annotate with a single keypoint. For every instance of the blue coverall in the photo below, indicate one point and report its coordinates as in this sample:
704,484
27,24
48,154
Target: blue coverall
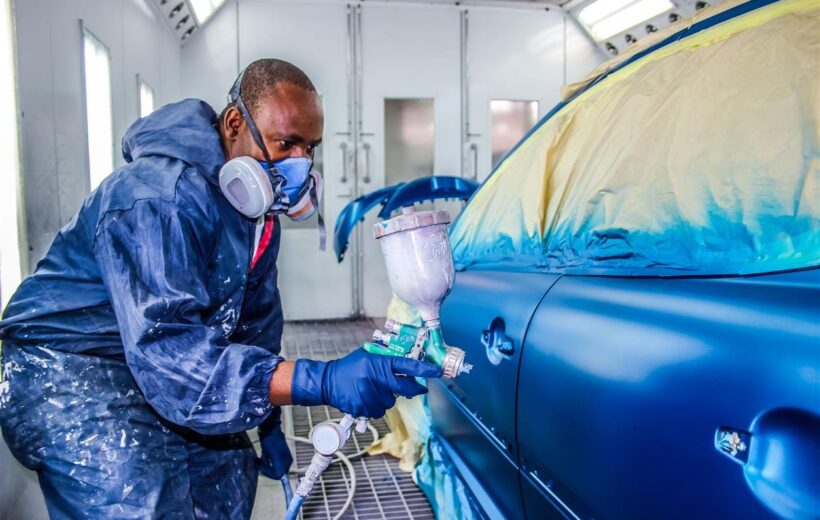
141,349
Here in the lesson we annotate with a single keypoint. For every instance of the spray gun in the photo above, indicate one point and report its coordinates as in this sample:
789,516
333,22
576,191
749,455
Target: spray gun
416,250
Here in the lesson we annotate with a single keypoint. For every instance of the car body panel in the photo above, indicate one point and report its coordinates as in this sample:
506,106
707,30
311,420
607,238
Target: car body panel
624,382
673,316
476,413
474,456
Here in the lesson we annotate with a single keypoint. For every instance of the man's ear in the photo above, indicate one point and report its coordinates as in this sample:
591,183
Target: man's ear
232,123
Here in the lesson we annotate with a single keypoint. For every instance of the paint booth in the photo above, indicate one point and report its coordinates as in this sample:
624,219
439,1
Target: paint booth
600,219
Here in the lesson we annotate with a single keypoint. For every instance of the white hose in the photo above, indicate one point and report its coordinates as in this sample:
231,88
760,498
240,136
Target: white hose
346,460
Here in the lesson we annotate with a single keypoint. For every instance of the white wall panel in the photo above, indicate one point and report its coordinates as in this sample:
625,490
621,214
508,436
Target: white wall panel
313,36
408,51
55,164
582,53
209,59
513,54
37,139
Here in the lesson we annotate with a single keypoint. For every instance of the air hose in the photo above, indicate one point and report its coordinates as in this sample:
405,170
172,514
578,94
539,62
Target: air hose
286,488
293,508
294,503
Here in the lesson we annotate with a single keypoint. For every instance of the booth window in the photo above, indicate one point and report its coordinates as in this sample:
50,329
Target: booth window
146,93
409,131
99,120
509,122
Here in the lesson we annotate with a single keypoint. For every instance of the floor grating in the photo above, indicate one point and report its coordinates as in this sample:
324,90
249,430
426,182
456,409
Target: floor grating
383,491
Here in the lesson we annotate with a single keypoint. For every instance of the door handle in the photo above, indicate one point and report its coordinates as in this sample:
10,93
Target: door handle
474,150
366,148
499,346
343,146
778,454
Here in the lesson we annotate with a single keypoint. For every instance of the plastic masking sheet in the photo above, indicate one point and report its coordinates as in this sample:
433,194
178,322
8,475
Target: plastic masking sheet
698,158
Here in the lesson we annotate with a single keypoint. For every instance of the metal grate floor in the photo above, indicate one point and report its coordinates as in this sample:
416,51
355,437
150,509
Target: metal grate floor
383,491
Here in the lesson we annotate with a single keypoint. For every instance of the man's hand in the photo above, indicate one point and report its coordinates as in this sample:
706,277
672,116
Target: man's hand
361,384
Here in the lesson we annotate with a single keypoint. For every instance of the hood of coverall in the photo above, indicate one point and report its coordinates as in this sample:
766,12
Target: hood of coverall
185,130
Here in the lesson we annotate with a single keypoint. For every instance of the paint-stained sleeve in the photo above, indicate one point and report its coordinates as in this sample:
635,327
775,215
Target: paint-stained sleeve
153,262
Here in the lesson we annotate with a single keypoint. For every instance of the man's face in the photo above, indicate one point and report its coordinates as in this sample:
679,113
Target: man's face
289,119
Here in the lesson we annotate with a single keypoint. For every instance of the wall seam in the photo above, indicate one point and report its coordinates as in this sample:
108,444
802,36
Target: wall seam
565,49
55,162
238,60
124,124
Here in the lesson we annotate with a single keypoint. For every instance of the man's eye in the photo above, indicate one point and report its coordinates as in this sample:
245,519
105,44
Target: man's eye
285,145
312,149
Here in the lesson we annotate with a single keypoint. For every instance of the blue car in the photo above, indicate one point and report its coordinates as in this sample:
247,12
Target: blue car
638,287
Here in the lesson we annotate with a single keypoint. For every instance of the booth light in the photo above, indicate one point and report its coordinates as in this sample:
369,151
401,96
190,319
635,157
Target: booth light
203,9
99,117
606,18
146,93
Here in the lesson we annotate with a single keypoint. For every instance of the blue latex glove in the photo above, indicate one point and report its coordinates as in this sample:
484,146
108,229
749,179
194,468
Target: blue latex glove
276,457
361,384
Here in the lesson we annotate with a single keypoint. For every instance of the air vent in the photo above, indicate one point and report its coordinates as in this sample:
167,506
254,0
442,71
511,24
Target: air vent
184,17
187,34
176,10
183,22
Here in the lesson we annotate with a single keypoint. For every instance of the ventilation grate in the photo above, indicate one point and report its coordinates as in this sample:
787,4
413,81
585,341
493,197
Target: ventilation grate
178,17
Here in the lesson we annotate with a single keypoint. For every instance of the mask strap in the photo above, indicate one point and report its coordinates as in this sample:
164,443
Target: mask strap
278,181
314,199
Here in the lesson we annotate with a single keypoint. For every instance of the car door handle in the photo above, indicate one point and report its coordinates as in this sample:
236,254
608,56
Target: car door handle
778,454
498,345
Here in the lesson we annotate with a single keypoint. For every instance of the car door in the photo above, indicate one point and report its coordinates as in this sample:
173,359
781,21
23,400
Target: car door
627,385
486,314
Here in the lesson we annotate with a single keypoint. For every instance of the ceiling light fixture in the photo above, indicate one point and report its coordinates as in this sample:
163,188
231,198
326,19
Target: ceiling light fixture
606,18
203,9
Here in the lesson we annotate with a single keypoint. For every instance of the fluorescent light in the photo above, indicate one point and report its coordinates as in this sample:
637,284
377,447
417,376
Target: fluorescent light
10,269
98,108
595,11
203,9
606,18
146,97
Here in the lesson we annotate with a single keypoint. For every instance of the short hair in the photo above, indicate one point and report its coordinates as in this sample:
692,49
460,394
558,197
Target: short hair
262,76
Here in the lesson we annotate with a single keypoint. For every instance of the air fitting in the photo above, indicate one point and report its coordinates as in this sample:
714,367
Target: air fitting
453,364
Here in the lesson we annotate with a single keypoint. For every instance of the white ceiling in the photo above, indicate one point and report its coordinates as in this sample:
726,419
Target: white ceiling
180,20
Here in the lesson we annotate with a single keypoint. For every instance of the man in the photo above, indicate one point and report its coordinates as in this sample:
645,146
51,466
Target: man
146,342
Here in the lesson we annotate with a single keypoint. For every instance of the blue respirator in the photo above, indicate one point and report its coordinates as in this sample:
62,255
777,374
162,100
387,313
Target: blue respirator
256,188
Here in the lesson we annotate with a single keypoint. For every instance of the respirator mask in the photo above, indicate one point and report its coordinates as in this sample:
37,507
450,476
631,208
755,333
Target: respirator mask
255,188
